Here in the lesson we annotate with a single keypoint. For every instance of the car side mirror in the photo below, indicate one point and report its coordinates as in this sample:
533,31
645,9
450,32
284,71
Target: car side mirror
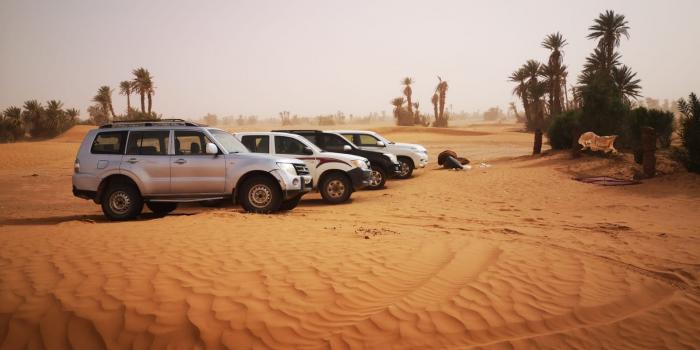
381,144
347,148
308,151
212,149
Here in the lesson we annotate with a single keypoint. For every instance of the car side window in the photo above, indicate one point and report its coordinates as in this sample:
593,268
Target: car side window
367,140
110,142
288,145
348,137
190,143
148,143
256,143
334,143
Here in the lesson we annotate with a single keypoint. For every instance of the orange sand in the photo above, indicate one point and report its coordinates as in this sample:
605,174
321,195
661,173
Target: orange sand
516,255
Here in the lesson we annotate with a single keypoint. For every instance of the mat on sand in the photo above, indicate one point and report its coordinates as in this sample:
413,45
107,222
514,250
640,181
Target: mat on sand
606,181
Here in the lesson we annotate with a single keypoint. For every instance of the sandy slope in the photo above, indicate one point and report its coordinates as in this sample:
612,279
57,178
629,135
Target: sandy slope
514,255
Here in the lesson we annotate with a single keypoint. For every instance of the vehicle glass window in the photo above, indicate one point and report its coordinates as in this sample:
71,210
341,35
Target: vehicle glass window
348,137
334,143
288,145
367,140
148,143
230,143
111,142
257,143
312,138
191,143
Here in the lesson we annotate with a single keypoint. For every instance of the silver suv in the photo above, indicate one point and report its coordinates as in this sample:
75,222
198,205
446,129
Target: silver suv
123,165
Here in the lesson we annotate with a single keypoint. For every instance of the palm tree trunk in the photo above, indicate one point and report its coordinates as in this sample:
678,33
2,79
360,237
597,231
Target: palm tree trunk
150,102
143,102
111,110
128,103
435,109
443,122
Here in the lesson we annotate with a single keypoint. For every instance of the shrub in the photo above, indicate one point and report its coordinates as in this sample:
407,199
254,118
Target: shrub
690,131
561,127
661,121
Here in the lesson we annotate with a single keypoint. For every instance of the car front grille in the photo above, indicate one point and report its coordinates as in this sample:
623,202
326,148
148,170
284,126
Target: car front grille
301,169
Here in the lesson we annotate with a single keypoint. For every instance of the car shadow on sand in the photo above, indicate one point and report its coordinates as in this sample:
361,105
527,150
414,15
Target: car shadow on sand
93,219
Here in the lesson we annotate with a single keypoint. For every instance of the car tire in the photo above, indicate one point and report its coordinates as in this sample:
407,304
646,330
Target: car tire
290,204
161,208
406,166
260,195
122,201
335,188
377,179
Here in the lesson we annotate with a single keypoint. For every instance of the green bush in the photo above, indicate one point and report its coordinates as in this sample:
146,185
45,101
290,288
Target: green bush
690,131
561,127
661,121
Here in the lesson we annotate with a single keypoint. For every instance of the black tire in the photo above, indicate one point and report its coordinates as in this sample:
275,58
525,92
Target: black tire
335,188
290,203
260,195
122,201
161,208
377,178
407,167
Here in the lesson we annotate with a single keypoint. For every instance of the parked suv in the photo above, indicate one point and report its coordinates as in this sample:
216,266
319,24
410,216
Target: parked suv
335,175
383,165
410,156
162,163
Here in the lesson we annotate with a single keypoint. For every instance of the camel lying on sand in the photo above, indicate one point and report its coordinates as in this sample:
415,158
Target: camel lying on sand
590,140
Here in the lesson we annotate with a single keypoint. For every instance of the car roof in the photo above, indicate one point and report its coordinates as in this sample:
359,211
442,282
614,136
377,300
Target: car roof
353,131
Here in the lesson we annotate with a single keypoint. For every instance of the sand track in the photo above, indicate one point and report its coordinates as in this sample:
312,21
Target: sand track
512,256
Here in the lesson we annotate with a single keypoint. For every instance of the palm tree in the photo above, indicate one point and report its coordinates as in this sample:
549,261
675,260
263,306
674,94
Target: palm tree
143,84
72,115
407,91
416,113
627,86
609,28
104,99
32,115
556,70
126,88
435,101
13,112
54,117
520,77
13,121
398,104
441,89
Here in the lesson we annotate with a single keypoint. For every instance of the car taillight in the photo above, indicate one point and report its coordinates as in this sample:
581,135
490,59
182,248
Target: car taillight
76,166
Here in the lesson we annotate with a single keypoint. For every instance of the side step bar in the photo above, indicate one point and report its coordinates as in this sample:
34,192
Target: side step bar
184,200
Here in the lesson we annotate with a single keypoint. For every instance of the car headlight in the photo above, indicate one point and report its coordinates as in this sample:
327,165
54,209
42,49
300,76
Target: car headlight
288,168
359,163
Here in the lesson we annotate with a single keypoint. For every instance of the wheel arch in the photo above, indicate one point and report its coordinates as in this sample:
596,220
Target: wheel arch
250,175
114,178
330,172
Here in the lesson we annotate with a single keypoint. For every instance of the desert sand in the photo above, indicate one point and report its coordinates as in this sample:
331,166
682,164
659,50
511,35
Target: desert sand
515,255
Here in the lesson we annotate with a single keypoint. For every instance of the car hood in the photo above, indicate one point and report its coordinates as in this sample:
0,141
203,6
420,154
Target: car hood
408,146
341,156
263,156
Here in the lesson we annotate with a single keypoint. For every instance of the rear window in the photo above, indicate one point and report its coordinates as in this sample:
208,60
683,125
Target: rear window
256,143
109,142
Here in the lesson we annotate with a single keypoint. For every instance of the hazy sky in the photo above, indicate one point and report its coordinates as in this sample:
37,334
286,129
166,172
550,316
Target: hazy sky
315,57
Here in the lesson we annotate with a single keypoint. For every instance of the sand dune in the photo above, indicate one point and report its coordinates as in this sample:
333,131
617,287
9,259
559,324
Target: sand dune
516,255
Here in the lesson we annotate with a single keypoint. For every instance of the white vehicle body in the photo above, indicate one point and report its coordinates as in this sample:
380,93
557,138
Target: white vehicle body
320,163
409,155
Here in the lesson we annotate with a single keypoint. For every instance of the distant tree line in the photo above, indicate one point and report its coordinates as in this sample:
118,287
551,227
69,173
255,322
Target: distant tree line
141,84
36,120
410,114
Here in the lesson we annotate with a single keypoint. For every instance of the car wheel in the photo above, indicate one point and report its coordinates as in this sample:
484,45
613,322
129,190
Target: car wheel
290,204
161,208
335,188
260,195
406,168
377,178
122,202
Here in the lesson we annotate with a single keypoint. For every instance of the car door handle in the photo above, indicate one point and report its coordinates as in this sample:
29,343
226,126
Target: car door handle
180,161
133,160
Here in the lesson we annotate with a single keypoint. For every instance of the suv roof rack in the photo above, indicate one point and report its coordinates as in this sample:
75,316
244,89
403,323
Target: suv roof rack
297,130
149,122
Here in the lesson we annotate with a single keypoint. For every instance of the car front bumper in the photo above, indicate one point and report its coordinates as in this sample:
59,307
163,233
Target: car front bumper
359,178
293,186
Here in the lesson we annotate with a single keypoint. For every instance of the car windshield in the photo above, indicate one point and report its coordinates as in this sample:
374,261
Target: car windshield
383,139
228,141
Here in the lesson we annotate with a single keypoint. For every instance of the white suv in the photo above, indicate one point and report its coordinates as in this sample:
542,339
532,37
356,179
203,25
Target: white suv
410,156
161,163
335,175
